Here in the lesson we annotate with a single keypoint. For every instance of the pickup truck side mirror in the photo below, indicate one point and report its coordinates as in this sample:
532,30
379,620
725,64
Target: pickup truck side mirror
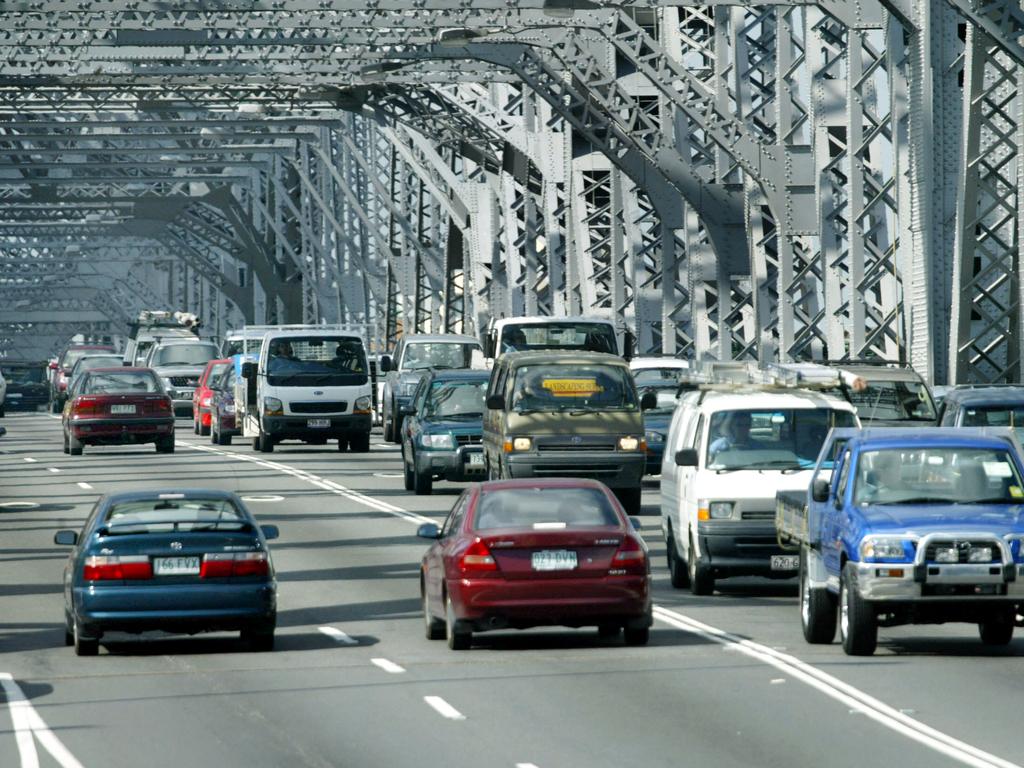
687,457
628,345
248,370
819,490
496,403
648,401
385,364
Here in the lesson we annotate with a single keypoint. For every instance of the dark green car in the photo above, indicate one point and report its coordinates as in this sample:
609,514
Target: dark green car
442,430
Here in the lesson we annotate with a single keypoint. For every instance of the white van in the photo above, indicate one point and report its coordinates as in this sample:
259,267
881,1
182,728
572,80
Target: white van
310,383
730,448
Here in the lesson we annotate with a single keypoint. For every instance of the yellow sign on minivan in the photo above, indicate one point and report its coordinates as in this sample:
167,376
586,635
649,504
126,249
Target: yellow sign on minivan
572,387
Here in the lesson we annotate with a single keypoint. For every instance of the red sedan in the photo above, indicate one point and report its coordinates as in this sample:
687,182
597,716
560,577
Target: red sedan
118,406
522,553
203,395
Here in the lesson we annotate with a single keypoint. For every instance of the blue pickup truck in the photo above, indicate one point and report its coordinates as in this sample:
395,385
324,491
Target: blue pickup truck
909,526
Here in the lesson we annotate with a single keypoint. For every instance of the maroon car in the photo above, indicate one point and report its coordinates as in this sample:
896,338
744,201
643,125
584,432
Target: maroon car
62,370
118,406
522,553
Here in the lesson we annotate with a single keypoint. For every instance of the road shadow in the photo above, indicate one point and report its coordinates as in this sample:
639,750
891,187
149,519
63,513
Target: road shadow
318,615
407,571
159,644
965,647
538,639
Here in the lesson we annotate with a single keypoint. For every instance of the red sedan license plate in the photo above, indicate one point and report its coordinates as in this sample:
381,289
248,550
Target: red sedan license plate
554,560
122,409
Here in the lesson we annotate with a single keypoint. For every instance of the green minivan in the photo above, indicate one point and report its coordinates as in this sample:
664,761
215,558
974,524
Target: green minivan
566,414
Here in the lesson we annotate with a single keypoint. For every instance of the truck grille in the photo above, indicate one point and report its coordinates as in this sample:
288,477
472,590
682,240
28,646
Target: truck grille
964,548
591,472
318,407
184,381
469,439
566,447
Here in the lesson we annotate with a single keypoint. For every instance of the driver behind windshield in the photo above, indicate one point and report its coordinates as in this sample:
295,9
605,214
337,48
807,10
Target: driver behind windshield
734,435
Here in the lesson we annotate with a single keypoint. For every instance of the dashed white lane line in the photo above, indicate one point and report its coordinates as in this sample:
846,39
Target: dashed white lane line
834,688
30,460
53,469
28,724
388,666
337,634
443,708
85,486
525,765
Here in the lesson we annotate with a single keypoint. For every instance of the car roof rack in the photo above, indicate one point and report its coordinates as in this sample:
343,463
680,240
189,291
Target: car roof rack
732,376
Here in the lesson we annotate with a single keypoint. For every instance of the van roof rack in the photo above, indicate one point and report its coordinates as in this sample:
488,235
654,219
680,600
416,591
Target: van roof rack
350,327
717,375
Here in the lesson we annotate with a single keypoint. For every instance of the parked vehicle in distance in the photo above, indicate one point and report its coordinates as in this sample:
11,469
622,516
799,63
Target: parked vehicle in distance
442,435
524,553
87,363
731,447
118,406
223,421
311,383
154,326
62,371
657,371
414,354
178,561
583,334
179,363
27,387
566,414
203,395
658,419
984,406
910,527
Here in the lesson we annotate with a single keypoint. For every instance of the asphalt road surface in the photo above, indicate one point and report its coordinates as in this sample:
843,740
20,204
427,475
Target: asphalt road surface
726,680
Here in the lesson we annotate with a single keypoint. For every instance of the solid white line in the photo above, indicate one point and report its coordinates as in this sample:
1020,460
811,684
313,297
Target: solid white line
388,666
443,708
842,692
54,415
53,469
30,460
27,722
338,635
85,486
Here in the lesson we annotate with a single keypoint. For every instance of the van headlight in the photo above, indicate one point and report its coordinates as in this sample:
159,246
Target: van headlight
272,407
362,405
885,549
720,510
518,444
438,442
630,443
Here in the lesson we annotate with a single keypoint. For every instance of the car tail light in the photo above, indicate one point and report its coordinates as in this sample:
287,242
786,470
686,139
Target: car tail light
117,568
630,556
163,406
84,406
477,558
227,565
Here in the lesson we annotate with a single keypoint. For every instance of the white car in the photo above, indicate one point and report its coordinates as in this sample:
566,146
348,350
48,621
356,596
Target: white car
653,371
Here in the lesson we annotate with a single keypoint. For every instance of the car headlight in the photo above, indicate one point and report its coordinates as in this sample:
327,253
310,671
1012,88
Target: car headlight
654,437
272,407
437,442
719,510
362,405
885,550
630,443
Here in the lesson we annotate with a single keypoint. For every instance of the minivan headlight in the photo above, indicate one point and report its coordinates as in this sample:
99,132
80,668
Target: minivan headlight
719,510
362,405
629,443
437,442
272,407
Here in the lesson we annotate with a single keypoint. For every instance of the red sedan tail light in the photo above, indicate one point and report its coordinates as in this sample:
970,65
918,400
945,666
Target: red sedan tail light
630,556
117,568
84,406
163,406
227,565
477,558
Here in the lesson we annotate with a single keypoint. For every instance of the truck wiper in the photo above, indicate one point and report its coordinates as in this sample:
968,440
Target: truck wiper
916,500
990,500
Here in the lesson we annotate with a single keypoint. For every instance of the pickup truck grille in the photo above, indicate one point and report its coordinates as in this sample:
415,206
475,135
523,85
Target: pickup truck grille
327,406
755,514
184,381
964,548
469,439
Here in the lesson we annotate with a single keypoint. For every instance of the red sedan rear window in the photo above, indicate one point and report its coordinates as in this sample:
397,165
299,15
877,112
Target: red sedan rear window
544,508
129,382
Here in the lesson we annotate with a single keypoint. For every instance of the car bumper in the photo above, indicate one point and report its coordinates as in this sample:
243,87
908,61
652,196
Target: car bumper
453,466
952,583
617,470
121,430
296,427
741,549
498,604
227,424
188,608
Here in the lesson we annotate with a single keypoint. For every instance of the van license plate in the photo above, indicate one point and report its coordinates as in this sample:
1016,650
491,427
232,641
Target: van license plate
554,560
318,423
176,566
785,562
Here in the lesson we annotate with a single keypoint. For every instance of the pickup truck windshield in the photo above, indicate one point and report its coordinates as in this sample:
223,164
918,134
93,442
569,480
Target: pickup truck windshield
455,399
654,377
573,388
433,354
893,401
592,337
307,361
183,354
771,439
937,476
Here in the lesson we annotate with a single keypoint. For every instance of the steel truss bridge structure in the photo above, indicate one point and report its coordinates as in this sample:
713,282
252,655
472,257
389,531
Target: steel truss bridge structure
792,180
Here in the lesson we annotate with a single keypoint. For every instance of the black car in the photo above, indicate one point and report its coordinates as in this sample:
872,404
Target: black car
27,387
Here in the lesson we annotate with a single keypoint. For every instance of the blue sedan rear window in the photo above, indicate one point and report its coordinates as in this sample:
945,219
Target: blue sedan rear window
178,515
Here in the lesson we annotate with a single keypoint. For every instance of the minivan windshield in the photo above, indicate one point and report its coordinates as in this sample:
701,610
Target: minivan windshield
456,399
183,354
592,337
577,387
893,401
771,438
438,354
305,361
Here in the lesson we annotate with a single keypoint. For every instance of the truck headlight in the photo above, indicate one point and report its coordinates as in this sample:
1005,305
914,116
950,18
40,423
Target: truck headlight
272,407
362,405
980,555
719,510
437,442
947,555
876,550
654,437
629,443
518,444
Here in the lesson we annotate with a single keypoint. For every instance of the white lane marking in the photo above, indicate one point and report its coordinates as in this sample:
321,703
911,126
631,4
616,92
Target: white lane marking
320,482
263,498
443,708
53,469
525,765
30,460
18,505
54,415
388,666
846,694
337,634
27,723
85,486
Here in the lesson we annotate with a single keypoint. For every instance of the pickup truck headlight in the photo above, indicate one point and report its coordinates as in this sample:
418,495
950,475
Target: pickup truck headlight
654,438
362,405
947,555
631,443
272,407
886,550
437,442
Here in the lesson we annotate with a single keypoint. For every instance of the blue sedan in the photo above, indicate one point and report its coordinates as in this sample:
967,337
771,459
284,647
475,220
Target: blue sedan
178,561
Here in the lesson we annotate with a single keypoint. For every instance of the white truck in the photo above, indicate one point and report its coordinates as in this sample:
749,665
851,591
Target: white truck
523,334
737,439
310,383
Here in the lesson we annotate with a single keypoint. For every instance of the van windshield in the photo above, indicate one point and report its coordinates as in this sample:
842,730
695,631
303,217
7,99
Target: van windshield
592,337
305,361
893,401
438,354
586,387
771,439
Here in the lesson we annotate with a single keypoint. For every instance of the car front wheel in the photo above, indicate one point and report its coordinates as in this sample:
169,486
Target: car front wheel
858,625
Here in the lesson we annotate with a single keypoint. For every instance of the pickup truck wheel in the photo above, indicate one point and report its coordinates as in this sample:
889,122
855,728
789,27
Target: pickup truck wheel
858,625
998,630
677,568
359,443
701,580
817,608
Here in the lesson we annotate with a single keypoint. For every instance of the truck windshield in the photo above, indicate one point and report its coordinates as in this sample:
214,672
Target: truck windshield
893,401
995,416
771,439
654,377
456,399
433,354
587,387
233,347
592,337
305,361
183,354
937,476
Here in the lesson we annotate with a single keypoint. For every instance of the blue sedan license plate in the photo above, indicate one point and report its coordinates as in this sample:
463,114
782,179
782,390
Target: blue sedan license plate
554,560
176,566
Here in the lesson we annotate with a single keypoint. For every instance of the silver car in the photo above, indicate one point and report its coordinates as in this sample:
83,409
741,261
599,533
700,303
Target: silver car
179,363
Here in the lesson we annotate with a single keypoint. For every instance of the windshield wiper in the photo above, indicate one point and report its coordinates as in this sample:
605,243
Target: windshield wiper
463,415
990,500
916,500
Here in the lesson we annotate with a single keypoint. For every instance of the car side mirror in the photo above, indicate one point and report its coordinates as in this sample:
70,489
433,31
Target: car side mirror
248,370
3,431
687,457
496,403
407,410
270,532
819,489
385,364
429,531
65,538
648,401
635,522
